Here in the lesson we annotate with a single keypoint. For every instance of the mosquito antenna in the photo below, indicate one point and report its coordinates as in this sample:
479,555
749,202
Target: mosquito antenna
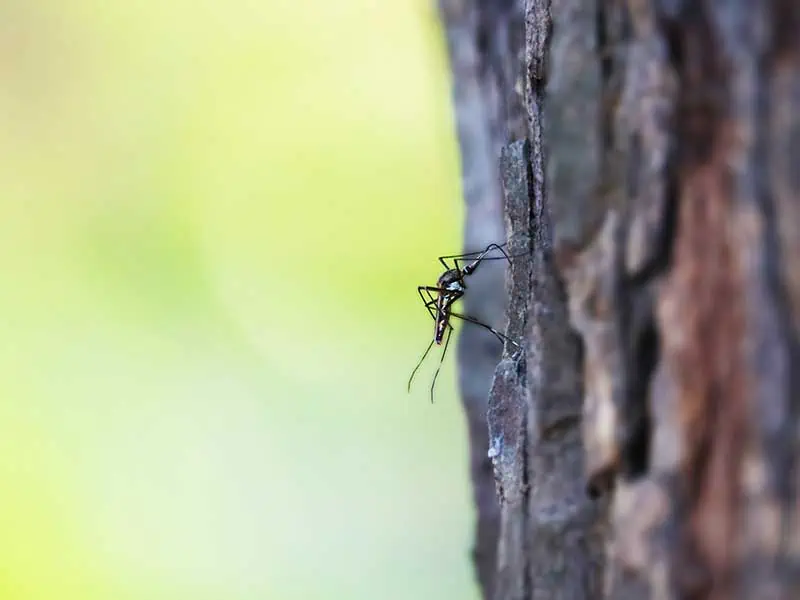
428,349
441,360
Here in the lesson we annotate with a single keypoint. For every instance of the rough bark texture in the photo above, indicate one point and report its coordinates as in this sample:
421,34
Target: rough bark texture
645,439
486,44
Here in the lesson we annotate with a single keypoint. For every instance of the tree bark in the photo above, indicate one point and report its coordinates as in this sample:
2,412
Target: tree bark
645,438
485,43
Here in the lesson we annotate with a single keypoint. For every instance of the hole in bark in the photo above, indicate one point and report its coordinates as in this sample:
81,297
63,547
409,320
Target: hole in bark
600,483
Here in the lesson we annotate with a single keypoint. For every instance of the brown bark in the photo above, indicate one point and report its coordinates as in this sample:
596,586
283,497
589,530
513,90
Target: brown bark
645,439
683,296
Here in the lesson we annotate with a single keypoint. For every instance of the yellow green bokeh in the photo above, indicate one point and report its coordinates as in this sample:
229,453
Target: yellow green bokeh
214,217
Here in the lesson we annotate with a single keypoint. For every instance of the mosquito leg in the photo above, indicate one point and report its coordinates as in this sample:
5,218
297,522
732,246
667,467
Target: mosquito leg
468,269
482,255
428,289
474,321
432,310
476,252
414,372
428,349
441,360
473,255
429,304
431,288
430,299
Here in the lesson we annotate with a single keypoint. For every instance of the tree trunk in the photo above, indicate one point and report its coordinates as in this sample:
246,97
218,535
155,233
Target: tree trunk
486,44
645,438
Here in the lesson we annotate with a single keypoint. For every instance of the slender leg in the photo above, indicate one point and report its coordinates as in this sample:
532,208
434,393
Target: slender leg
461,258
475,321
432,310
430,303
414,372
431,288
428,289
428,349
476,252
468,271
470,268
466,318
441,360
473,255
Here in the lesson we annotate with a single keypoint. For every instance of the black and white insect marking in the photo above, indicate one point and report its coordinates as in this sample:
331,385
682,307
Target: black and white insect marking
439,300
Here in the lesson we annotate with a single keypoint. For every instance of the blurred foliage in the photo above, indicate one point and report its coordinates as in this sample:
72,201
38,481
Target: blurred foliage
214,217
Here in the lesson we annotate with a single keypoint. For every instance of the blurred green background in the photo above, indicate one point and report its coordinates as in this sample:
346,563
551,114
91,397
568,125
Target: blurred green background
214,216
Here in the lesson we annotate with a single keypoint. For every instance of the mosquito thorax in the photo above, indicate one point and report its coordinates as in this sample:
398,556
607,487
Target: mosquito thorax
452,281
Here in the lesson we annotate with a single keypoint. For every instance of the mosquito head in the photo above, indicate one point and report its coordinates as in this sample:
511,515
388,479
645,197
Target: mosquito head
452,281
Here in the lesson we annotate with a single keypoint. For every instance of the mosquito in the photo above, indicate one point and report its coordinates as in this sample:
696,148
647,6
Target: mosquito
439,299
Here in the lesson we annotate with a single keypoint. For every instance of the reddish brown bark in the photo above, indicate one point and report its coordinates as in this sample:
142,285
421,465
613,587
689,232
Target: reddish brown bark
658,196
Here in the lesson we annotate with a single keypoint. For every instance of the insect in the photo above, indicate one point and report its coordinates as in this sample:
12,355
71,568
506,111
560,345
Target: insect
440,298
